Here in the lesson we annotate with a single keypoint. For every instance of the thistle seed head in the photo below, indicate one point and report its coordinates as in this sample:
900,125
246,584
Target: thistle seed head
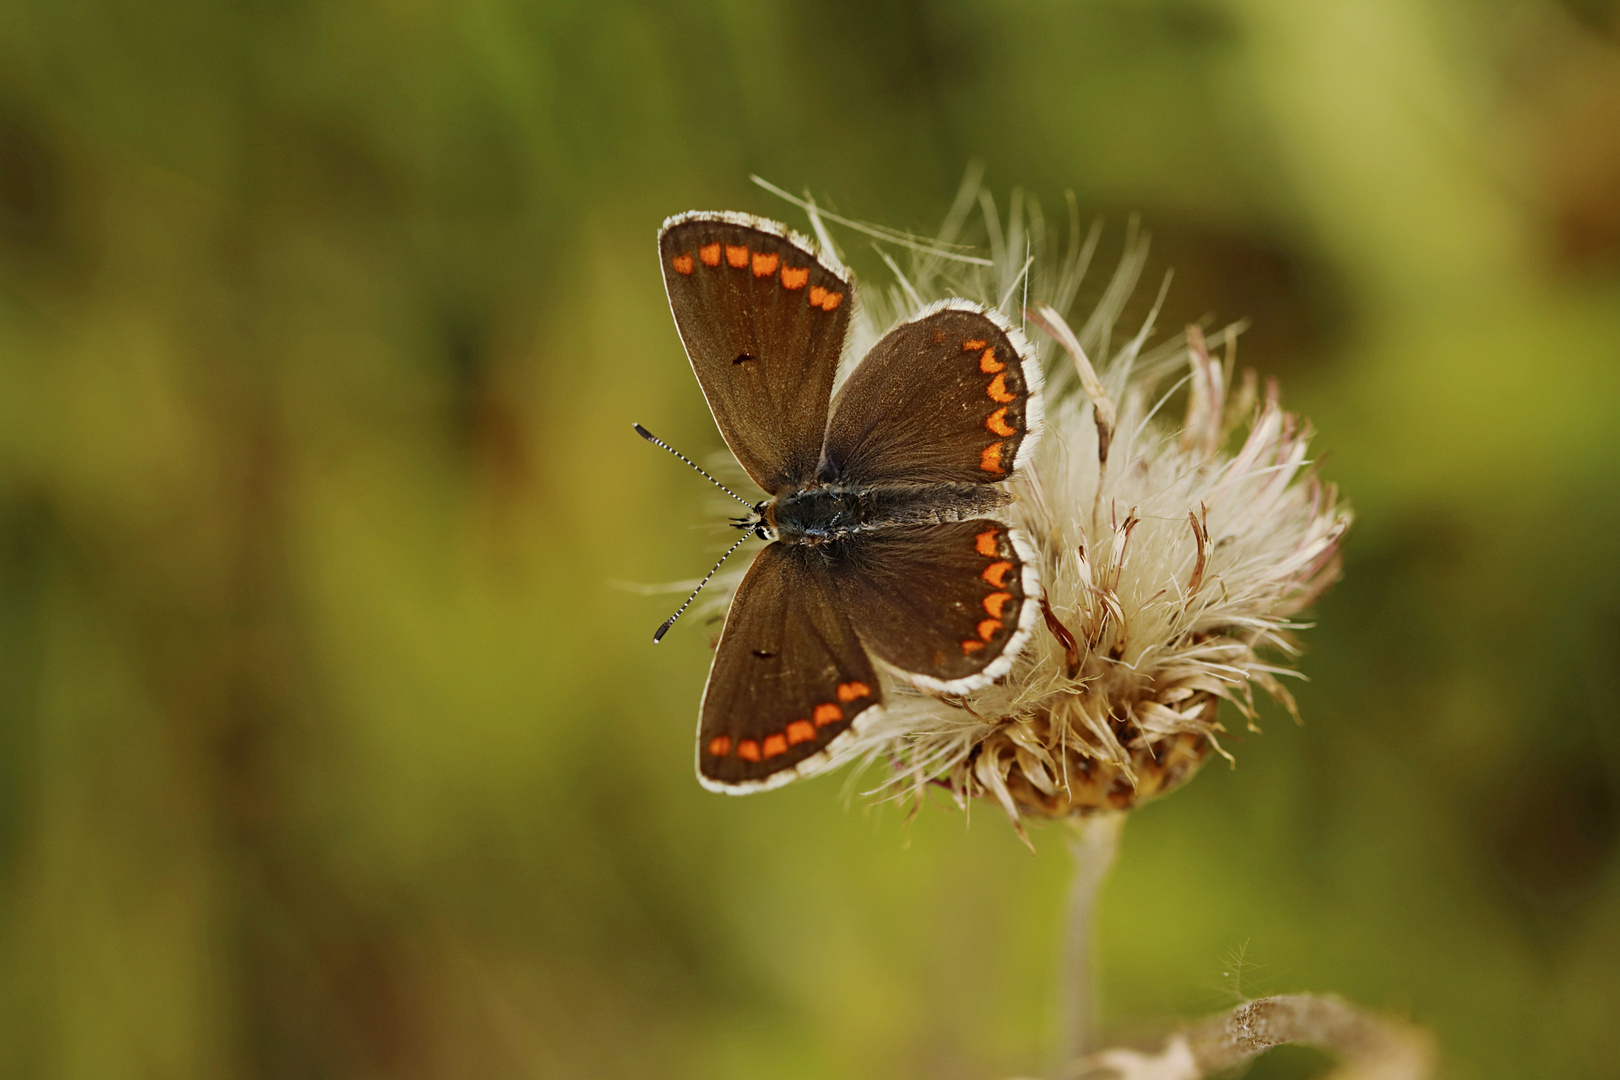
1176,551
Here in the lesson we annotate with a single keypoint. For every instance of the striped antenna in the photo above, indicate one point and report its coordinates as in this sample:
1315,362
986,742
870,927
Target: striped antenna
658,635
656,441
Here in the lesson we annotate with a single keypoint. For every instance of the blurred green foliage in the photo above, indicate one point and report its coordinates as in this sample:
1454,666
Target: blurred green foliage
328,747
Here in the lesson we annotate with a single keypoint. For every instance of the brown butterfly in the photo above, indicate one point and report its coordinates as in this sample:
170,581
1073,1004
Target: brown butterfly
884,542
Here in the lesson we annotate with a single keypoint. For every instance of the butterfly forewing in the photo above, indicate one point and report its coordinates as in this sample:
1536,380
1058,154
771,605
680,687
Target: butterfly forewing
789,676
763,321
948,397
949,605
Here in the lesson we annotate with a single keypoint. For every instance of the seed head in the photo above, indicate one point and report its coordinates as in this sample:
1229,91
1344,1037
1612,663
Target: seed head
1176,551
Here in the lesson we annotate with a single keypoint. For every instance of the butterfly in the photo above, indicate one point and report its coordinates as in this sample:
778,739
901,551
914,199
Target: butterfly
886,544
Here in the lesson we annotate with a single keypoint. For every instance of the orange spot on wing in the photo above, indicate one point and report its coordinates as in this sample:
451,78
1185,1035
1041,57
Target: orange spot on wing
849,691
817,295
995,602
985,543
710,254
827,713
748,750
987,630
990,460
720,746
997,422
776,744
973,346
996,573
971,646
998,390
795,277
800,731
989,364
683,262
737,256
831,300
765,265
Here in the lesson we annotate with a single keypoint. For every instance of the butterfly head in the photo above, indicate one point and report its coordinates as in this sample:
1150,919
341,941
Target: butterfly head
761,522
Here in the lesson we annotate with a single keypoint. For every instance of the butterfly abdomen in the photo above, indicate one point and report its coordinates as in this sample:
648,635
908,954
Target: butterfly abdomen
823,514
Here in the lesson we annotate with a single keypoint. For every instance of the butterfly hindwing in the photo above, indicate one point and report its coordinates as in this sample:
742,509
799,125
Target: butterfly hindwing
951,396
789,678
949,605
763,320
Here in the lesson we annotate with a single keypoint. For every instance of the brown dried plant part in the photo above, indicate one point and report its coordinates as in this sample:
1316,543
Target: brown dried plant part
1368,1046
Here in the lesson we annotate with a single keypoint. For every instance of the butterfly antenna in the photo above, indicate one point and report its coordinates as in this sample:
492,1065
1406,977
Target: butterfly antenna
669,622
656,441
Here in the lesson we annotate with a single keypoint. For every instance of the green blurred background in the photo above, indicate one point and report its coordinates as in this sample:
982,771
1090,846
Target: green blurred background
328,747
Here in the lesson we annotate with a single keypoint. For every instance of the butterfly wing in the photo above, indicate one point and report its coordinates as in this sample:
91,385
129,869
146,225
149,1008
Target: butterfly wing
790,677
949,605
952,396
763,320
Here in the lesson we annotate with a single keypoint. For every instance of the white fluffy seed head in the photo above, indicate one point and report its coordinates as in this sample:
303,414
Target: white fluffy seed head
1175,551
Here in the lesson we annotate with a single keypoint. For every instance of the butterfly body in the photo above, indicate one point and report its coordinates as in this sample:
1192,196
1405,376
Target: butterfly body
888,549
822,514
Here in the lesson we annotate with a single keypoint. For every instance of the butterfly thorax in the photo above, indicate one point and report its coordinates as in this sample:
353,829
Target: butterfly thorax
823,513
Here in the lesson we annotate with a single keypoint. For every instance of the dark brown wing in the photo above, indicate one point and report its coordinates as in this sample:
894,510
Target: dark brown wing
950,605
789,679
953,396
763,321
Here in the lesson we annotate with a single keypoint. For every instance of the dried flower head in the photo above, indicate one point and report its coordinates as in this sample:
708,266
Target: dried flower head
1175,553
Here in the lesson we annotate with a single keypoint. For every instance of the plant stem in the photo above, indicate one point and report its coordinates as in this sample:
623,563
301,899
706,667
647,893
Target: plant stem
1093,840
